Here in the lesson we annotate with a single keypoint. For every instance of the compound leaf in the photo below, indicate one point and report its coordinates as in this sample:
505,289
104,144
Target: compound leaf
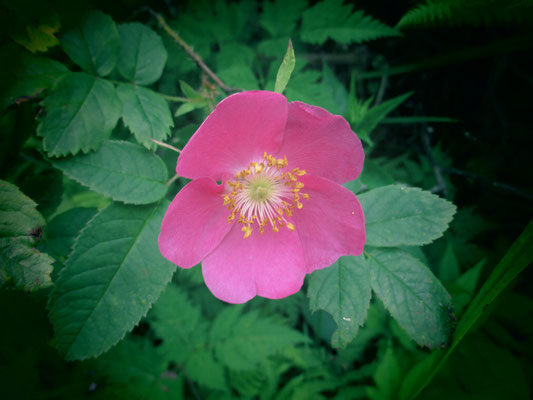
242,341
80,114
145,113
331,19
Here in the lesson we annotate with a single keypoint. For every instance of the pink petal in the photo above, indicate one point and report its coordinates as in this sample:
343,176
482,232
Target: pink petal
237,132
194,224
269,265
321,143
330,224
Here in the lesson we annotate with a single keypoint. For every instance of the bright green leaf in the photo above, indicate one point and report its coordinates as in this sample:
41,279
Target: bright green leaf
331,19
94,45
142,54
79,115
21,265
343,290
121,170
285,69
413,295
145,113
110,280
401,216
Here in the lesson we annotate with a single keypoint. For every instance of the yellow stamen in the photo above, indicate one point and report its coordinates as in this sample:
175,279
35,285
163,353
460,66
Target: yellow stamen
265,192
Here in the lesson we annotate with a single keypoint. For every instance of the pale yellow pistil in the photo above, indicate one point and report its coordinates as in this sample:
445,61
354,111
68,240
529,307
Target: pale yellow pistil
265,193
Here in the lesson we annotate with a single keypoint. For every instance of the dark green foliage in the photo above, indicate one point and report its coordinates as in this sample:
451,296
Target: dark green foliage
85,97
470,13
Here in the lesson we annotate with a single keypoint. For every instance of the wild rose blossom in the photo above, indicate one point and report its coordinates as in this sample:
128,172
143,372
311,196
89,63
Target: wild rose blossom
280,211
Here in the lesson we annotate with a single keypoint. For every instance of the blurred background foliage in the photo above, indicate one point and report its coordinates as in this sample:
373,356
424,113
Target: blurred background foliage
438,90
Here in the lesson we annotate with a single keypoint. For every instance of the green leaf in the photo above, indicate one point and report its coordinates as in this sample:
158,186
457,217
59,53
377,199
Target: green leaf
344,291
240,76
242,341
110,280
25,75
285,69
202,368
121,170
374,175
62,230
94,45
475,13
413,295
400,216
186,108
142,54
449,269
179,330
331,19
21,265
79,115
365,120
188,91
135,369
387,376
279,17
145,113
517,258
464,288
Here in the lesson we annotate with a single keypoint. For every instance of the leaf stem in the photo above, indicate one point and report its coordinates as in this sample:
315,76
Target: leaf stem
175,98
168,146
190,52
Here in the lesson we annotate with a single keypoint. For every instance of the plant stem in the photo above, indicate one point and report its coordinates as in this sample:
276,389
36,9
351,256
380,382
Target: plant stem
190,52
175,98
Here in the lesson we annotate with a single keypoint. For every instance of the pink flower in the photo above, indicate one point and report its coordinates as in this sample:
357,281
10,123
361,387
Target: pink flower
280,212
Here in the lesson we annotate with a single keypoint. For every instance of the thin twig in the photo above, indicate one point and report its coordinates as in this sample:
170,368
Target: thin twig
166,145
172,180
190,52
437,170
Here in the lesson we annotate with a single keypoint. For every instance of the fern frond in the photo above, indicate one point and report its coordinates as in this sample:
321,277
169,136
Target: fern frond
330,19
468,13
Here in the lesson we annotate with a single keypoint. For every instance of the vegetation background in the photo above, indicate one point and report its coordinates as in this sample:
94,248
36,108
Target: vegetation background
440,93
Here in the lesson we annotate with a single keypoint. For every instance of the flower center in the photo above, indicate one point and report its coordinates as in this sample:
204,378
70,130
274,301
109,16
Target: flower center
265,193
